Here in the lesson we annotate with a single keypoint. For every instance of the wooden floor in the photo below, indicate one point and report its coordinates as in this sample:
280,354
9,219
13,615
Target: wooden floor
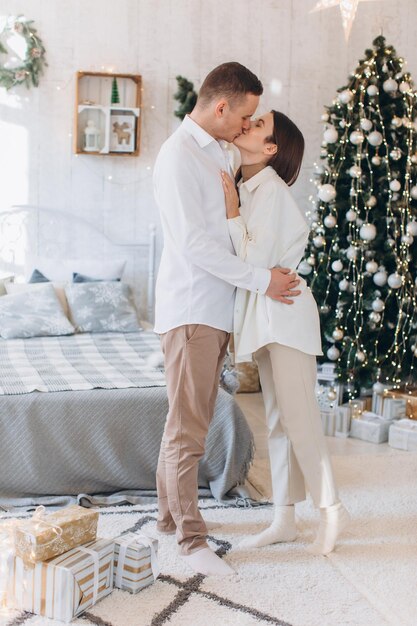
252,406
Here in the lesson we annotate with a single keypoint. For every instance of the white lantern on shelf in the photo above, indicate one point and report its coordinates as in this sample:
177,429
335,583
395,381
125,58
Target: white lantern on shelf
91,137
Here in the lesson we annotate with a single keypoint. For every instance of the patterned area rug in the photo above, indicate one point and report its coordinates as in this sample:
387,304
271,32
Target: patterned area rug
368,581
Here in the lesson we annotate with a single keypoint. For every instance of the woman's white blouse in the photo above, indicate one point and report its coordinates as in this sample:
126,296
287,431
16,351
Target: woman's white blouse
271,232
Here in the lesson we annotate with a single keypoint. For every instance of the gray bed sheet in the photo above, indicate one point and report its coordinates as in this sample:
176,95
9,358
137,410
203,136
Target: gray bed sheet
66,446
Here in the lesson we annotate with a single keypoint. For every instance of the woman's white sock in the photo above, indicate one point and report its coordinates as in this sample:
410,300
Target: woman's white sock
333,520
282,529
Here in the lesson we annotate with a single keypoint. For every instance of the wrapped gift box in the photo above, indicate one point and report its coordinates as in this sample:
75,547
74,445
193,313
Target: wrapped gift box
409,395
403,435
343,420
64,586
328,421
37,540
135,561
370,427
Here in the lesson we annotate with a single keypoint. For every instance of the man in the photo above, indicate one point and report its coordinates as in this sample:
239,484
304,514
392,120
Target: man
195,294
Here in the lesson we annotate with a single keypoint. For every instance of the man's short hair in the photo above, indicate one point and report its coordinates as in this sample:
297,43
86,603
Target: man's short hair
229,80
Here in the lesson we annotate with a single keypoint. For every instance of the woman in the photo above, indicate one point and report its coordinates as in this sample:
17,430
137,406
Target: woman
269,230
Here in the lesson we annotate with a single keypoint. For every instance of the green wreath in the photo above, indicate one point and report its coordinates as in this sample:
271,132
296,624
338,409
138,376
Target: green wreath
34,62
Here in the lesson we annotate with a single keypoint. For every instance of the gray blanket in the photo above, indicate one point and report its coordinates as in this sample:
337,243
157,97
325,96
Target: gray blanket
106,441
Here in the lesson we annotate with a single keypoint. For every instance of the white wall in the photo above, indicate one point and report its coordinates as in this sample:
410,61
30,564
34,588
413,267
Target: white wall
280,40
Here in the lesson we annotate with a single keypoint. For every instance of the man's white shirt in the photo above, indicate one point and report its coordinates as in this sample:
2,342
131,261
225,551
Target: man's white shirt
199,270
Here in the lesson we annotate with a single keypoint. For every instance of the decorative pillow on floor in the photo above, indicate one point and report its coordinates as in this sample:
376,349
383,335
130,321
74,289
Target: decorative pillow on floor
34,313
102,307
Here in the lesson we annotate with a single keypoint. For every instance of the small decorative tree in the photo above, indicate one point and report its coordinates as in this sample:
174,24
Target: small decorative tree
186,96
115,98
361,260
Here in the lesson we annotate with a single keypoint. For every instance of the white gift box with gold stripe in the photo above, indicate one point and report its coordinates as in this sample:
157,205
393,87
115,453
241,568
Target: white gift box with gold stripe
135,561
64,586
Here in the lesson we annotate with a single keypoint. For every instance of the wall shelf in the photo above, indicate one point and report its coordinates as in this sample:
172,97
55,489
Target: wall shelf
117,124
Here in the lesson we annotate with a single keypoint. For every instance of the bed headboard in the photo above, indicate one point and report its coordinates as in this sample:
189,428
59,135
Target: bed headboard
29,231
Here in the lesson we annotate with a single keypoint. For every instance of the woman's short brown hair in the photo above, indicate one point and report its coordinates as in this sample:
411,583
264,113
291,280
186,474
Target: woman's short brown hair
290,141
229,80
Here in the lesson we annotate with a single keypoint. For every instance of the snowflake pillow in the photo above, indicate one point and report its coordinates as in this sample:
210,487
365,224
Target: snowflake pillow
35,313
102,307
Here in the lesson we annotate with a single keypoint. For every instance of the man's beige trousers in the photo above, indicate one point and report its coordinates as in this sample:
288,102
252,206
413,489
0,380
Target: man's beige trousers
297,447
194,356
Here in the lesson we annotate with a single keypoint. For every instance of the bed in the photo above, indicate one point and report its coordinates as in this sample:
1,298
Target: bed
82,415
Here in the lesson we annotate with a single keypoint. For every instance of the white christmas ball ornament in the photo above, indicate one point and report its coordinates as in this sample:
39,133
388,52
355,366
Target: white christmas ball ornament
413,192
344,285
327,193
366,124
375,138
325,117
367,232
319,241
404,87
356,137
375,317
376,160
371,201
412,228
395,280
330,221
396,121
378,305
304,268
352,253
355,171
390,85
311,260
395,185
345,96
380,278
333,353
407,239
337,265
372,90
378,387
337,334
351,215
361,356
395,154
330,135
371,267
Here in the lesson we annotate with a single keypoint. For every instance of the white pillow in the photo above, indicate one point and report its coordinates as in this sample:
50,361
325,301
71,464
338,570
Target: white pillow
54,270
12,288
97,268
61,270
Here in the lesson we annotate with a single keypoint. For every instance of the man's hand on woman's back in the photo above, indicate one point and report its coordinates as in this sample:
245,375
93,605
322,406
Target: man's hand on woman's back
283,285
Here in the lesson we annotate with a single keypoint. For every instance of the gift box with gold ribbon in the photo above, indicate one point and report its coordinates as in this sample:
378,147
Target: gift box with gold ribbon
64,586
135,561
409,394
47,535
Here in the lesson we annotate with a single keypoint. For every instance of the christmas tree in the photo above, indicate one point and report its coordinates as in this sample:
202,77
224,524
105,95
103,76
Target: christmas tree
186,96
361,259
115,99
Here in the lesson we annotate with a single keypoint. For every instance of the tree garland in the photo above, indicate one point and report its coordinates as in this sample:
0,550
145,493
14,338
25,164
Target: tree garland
34,62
